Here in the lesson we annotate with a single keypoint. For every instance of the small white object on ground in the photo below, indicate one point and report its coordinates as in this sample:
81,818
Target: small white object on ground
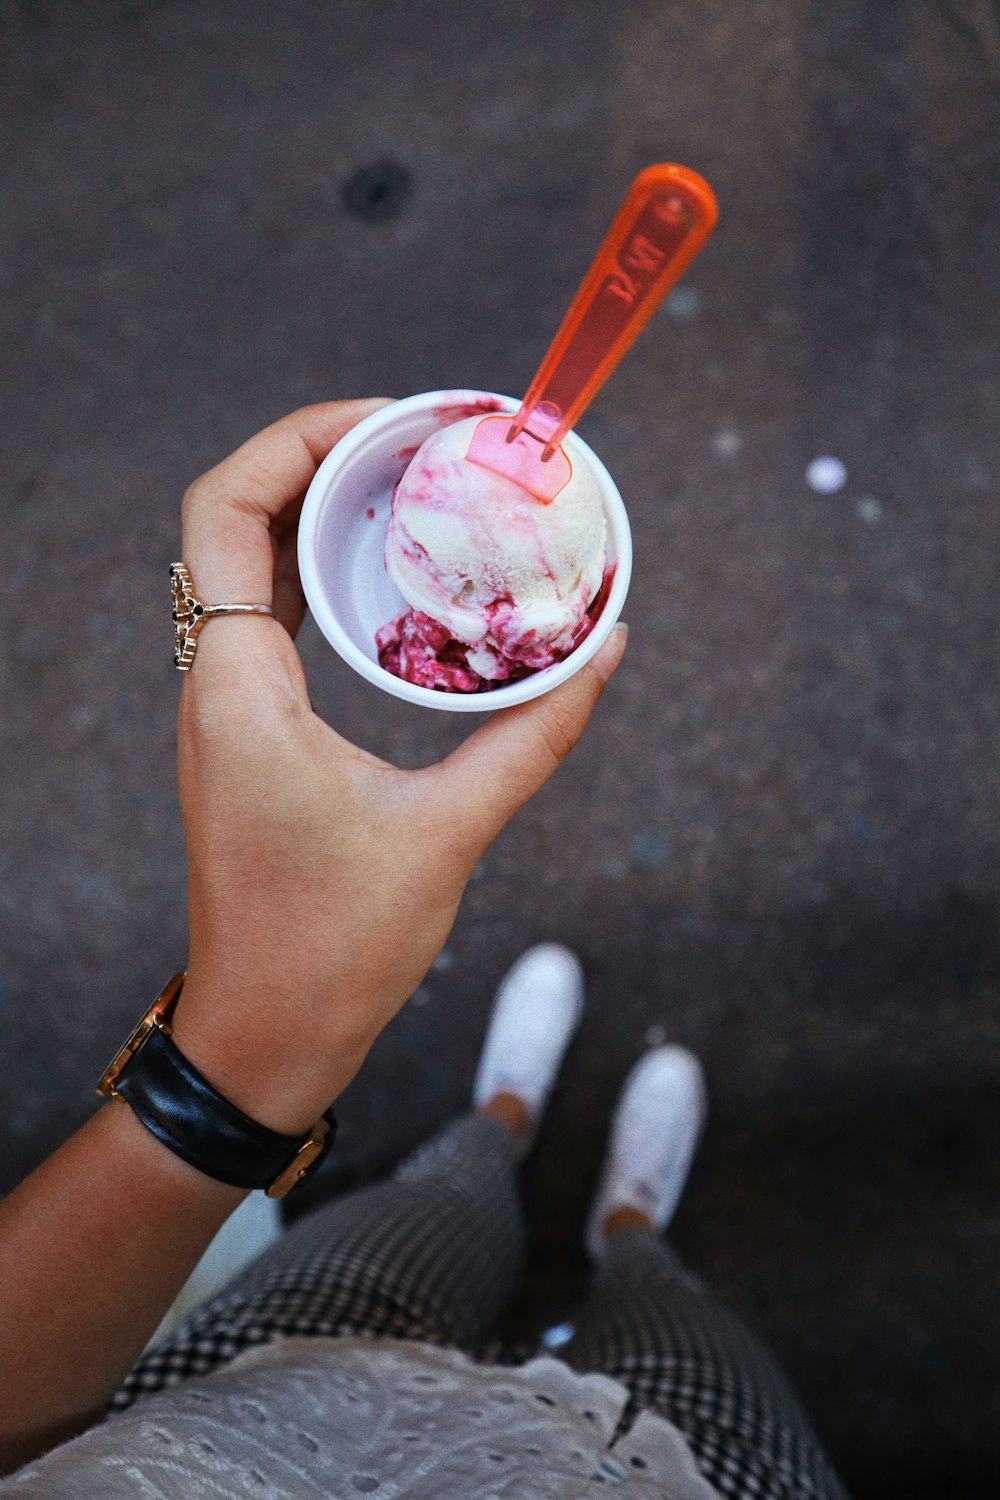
826,475
727,442
683,302
558,1335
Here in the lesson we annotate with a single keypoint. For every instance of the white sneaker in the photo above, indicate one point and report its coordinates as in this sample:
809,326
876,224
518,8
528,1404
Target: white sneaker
659,1116
536,1011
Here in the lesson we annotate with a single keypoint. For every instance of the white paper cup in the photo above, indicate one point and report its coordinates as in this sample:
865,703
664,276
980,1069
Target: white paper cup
342,539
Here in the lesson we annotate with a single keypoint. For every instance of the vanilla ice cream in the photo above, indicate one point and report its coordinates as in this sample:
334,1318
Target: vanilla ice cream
499,583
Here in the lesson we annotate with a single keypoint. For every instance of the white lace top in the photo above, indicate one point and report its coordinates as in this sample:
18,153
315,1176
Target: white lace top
312,1418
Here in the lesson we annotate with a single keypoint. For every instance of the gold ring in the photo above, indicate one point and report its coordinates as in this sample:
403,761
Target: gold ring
190,615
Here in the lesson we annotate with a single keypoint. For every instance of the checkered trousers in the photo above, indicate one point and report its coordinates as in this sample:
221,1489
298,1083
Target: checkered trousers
434,1254
652,1325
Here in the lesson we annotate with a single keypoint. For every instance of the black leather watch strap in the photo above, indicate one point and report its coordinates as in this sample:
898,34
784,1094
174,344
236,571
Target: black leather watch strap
182,1109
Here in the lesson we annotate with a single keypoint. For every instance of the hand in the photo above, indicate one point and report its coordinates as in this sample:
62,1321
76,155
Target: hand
322,881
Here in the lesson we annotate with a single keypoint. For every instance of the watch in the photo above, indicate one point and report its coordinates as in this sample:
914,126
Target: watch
182,1109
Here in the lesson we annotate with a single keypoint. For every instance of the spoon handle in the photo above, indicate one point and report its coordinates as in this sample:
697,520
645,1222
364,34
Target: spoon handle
667,215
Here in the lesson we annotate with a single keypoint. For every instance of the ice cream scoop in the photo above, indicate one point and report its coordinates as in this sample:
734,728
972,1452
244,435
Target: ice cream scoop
495,542
510,579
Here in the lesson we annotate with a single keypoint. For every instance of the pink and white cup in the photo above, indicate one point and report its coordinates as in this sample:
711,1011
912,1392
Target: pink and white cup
341,545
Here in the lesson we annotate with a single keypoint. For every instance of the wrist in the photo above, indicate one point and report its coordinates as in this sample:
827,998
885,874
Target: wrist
180,1106
281,1079
137,1154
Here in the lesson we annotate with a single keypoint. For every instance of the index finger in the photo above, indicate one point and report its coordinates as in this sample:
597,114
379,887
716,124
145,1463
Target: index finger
227,515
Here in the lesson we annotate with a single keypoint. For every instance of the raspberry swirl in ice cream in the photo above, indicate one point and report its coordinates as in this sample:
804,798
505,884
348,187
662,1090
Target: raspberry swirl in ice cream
499,584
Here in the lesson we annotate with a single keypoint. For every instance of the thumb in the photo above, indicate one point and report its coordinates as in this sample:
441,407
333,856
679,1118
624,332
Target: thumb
505,762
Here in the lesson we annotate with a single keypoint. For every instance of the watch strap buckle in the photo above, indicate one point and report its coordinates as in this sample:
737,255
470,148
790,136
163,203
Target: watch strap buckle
304,1158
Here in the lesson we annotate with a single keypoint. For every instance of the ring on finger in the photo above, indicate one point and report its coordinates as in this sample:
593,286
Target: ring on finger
190,615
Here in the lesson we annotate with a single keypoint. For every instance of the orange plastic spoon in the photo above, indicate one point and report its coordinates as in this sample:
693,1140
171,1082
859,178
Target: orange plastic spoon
667,215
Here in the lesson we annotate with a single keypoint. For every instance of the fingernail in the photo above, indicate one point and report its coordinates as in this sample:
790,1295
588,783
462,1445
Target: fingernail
610,654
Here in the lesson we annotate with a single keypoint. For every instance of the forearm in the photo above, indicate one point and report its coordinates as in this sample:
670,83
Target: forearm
94,1246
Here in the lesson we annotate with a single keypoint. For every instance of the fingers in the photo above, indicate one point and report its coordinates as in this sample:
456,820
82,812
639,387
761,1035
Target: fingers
238,534
498,768
238,517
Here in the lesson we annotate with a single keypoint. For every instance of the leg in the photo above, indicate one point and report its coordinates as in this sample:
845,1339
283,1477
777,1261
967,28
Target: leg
652,1325
431,1254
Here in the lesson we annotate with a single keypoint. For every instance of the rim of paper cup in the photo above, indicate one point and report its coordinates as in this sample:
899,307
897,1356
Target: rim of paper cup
525,688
